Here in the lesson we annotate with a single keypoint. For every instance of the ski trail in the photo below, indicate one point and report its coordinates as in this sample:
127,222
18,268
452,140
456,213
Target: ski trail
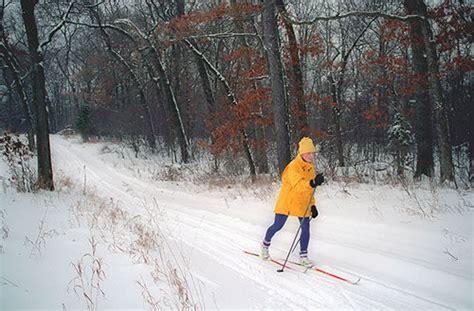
209,235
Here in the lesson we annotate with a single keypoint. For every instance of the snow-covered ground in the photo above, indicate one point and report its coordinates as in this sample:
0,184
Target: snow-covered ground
113,237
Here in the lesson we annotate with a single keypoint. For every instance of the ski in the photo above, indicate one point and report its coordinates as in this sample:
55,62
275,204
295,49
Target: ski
270,260
354,281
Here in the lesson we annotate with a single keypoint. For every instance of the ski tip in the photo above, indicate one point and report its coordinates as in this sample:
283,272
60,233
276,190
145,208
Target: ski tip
251,253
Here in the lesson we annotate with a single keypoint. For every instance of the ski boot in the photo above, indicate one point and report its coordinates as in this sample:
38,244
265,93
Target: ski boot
305,262
264,253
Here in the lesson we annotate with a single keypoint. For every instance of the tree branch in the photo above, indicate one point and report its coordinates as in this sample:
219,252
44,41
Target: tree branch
58,26
230,94
127,22
218,36
101,26
358,38
372,14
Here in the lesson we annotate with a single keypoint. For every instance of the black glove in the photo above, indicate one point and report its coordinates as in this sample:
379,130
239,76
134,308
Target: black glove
317,181
314,211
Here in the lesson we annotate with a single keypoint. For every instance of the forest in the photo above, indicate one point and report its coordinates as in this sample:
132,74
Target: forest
236,155
383,87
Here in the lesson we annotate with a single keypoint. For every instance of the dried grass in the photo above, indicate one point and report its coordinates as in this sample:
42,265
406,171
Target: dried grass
4,230
42,236
90,274
140,237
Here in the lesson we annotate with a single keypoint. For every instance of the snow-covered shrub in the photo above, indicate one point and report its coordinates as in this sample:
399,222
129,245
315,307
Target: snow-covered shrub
171,172
63,182
400,139
84,122
67,132
18,156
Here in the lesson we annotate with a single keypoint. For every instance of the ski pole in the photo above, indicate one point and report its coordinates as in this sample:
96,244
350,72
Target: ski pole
297,232
297,242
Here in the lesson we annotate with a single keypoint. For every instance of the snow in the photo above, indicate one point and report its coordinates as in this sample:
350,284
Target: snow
412,246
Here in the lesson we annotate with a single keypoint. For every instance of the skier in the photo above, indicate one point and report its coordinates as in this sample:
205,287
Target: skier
298,181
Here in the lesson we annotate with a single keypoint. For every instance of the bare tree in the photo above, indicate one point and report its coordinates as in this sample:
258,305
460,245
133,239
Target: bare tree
271,39
233,101
442,126
261,157
151,135
13,65
295,76
423,133
45,170
347,65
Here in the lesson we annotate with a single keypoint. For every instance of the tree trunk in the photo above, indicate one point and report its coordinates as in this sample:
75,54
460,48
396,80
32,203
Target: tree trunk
167,90
423,128
52,118
173,104
164,85
45,170
337,94
275,67
336,117
398,160
205,81
178,55
261,158
12,64
471,160
441,116
295,77
164,127
20,90
208,93
233,101
150,129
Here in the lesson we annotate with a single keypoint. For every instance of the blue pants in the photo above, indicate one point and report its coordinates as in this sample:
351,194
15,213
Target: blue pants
280,220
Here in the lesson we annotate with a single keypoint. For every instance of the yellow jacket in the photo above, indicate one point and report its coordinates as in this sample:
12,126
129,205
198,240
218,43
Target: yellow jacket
295,190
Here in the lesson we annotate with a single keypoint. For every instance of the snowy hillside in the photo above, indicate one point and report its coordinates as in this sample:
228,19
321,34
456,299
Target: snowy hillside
112,236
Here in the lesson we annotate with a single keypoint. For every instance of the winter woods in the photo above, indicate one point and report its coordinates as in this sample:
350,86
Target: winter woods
370,81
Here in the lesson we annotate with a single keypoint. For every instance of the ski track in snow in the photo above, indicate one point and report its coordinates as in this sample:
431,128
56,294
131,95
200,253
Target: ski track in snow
216,236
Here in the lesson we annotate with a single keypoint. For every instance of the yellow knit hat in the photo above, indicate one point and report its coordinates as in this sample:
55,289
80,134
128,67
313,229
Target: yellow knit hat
306,145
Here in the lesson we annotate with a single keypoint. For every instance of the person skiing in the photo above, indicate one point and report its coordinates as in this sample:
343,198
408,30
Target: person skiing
298,181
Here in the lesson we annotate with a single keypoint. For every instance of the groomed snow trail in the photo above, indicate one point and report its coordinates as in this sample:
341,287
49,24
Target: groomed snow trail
400,267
